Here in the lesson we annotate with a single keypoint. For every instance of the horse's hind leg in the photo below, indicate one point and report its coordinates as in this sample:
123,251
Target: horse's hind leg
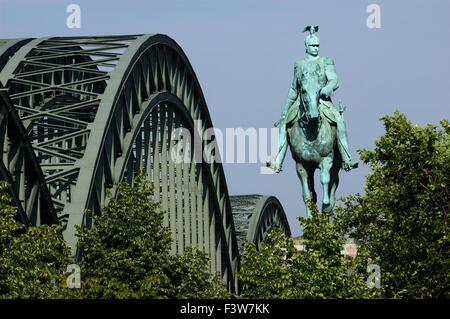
325,167
307,194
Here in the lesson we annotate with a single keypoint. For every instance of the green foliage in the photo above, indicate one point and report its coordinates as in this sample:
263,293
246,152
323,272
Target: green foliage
279,270
191,278
400,224
32,260
402,220
266,273
324,272
125,249
127,253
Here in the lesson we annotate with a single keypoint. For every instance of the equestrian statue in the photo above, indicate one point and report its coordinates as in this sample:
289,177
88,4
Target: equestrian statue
313,126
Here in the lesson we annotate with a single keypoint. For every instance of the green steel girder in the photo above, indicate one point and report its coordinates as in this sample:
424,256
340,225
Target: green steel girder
254,217
184,190
20,168
99,110
8,47
82,153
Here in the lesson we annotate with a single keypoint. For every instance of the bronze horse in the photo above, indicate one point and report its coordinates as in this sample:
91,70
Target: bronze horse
312,140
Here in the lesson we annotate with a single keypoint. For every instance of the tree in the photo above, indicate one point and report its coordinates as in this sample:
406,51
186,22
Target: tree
400,224
33,259
127,253
191,277
402,220
278,270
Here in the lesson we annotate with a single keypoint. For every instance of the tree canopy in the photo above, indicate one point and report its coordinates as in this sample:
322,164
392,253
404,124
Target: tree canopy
125,255
402,219
32,260
400,225
319,270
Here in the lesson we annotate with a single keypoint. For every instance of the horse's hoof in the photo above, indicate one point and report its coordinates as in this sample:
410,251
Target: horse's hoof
327,208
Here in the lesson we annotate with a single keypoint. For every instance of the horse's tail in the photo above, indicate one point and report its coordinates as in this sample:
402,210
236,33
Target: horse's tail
337,158
334,173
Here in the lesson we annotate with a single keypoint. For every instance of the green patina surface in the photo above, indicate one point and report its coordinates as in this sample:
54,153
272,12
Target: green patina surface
312,126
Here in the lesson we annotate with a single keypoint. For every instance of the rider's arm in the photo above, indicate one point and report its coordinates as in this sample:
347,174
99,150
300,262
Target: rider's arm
332,79
292,94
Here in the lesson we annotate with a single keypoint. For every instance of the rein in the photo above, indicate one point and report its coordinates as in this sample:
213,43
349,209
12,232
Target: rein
305,118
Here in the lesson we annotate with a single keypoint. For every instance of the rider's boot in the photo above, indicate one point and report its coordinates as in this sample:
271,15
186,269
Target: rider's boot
276,162
348,162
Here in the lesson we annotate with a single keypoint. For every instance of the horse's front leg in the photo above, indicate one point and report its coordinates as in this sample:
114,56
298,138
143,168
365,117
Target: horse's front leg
307,194
325,167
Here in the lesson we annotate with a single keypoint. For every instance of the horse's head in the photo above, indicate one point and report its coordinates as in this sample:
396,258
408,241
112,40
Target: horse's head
310,93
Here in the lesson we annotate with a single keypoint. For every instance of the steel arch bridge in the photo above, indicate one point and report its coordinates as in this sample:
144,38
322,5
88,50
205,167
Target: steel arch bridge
80,114
255,216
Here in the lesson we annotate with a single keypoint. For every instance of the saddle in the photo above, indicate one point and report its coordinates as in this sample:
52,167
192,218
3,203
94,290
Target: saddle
327,111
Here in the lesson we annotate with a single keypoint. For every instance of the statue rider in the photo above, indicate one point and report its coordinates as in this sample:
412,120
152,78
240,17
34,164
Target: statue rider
325,70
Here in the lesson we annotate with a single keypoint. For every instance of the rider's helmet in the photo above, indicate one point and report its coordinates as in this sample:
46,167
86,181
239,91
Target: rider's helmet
312,41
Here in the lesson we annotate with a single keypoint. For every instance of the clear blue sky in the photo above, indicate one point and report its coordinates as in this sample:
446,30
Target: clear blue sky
243,53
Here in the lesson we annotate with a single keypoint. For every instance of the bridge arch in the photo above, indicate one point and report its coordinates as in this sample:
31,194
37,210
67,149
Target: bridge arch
97,110
20,168
255,216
